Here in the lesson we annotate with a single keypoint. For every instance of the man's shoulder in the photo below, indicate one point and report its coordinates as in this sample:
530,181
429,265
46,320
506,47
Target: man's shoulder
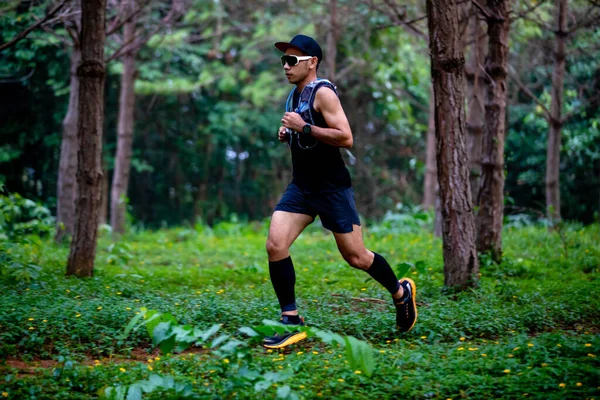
325,94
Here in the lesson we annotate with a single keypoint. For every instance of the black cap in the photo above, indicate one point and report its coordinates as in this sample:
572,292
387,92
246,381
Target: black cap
305,44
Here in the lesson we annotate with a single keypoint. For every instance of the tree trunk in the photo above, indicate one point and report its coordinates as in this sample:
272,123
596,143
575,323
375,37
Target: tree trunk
66,190
475,99
120,181
200,201
554,133
91,73
103,213
461,265
491,187
429,187
332,40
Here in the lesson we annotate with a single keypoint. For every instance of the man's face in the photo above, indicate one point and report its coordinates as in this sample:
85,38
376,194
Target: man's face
299,72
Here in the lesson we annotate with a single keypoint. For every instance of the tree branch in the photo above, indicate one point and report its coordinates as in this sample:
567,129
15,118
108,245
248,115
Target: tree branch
586,23
26,32
139,41
407,24
528,10
117,23
481,9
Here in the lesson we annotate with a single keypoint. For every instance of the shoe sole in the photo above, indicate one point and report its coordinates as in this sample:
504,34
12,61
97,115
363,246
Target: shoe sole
413,298
291,340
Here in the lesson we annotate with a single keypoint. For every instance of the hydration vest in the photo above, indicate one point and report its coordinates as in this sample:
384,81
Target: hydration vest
307,98
315,168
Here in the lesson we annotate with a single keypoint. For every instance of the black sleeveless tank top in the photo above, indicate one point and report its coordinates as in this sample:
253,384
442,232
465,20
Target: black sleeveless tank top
319,169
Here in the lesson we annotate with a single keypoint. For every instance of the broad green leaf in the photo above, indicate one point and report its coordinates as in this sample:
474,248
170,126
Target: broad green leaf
130,325
261,386
161,332
283,392
167,345
421,266
220,339
134,393
248,331
402,269
211,331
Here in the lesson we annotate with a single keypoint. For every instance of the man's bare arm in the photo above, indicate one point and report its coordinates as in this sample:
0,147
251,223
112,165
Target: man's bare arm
338,132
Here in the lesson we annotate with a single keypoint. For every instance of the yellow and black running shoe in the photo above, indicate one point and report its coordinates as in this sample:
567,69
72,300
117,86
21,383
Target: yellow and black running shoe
280,340
406,307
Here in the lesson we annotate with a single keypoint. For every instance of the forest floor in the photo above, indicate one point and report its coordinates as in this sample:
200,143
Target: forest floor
529,330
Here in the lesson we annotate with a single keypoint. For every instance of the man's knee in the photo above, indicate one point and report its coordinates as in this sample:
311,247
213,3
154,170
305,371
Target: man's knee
356,260
275,248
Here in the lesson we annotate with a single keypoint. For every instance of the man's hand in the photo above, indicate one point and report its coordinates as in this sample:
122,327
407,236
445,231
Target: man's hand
293,121
282,135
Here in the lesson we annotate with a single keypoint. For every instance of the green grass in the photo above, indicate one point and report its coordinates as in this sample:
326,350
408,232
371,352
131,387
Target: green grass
530,330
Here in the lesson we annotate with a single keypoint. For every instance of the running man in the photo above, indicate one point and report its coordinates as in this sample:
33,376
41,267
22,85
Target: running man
315,128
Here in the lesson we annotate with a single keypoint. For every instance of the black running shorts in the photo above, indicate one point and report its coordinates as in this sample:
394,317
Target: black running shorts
337,210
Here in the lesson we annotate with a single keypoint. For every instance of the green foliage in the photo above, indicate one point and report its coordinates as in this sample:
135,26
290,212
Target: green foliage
20,216
164,385
541,294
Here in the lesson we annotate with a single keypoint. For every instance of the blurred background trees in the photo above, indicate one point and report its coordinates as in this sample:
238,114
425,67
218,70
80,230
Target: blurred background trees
208,92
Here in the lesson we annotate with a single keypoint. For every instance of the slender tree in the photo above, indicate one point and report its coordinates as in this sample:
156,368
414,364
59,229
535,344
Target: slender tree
475,97
132,42
91,72
447,70
588,18
555,120
66,188
120,180
491,189
430,182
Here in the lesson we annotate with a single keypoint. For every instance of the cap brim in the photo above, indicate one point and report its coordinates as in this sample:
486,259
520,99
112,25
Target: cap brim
283,46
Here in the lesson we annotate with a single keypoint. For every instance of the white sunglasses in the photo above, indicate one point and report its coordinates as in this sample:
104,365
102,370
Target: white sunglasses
292,60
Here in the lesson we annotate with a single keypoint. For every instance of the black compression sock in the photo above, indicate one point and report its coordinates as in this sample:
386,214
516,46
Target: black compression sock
381,271
283,278
294,319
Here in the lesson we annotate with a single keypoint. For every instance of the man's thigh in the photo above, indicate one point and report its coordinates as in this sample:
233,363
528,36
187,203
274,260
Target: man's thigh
337,210
285,228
